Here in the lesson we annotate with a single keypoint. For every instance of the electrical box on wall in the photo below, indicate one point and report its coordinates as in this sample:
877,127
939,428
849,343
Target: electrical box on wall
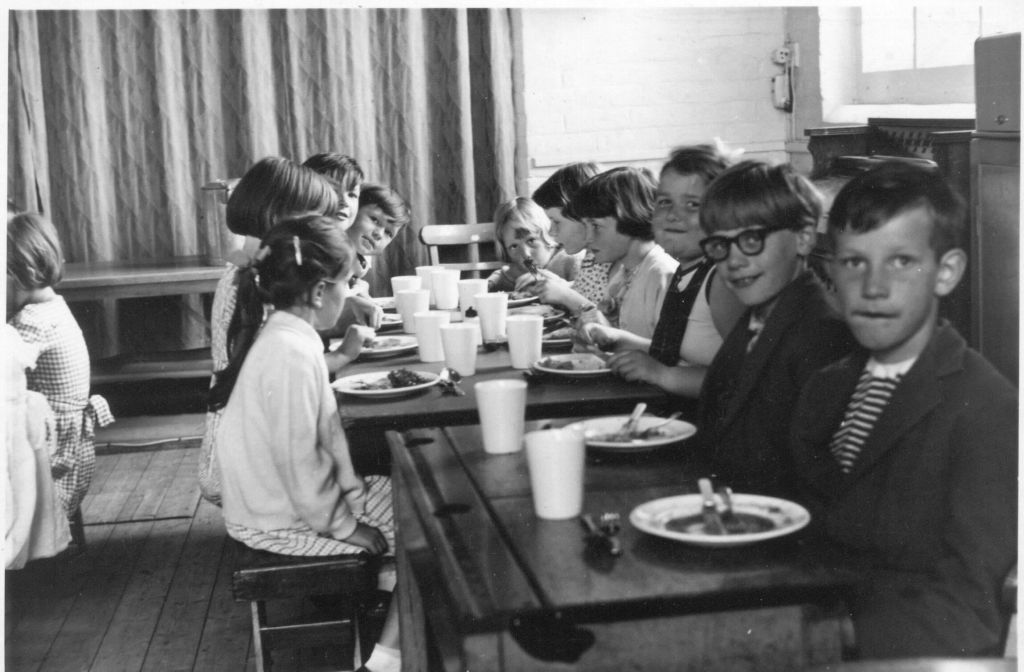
781,93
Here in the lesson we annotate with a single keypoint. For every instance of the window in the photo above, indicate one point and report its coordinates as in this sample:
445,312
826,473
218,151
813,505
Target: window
905,60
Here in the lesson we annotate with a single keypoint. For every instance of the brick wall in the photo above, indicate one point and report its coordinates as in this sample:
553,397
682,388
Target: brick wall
625,86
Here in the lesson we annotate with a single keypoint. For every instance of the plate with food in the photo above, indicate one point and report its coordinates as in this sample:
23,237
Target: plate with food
385,383
557,338
388,346
612,435
390,322
516,299
549,313
753,518
385,302
574,364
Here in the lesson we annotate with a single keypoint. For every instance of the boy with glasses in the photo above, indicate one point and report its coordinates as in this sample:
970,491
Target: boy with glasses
760,223
908,447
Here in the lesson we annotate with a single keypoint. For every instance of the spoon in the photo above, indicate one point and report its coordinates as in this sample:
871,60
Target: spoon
450,379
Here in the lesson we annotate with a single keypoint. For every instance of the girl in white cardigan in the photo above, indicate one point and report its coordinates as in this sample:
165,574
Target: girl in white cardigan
288,484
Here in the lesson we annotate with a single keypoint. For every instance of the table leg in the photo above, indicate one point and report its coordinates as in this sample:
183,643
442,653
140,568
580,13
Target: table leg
111,328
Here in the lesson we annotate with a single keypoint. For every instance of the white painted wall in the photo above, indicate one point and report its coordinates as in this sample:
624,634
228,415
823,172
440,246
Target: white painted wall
624,86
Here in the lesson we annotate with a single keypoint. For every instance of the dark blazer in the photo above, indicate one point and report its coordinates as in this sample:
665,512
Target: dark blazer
931,503
748,399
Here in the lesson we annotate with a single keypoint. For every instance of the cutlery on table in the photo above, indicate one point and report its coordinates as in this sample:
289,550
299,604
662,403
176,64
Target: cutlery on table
450,382
652,430
604,534
629,426
728,515
709,509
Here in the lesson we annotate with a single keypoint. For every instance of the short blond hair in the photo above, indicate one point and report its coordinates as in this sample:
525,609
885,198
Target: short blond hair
521,213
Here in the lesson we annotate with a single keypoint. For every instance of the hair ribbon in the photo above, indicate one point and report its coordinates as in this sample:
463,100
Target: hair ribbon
298,251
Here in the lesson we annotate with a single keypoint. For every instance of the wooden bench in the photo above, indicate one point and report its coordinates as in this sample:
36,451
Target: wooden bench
259,576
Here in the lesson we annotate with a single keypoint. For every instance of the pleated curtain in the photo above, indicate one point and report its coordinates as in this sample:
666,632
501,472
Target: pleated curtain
117,118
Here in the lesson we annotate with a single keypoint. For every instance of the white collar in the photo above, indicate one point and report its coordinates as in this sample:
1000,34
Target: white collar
889,371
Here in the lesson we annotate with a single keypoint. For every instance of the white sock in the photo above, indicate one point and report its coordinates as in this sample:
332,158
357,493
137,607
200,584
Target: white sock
384,659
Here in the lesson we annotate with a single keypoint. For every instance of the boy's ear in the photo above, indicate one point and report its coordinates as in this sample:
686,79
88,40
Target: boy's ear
805,238
952,266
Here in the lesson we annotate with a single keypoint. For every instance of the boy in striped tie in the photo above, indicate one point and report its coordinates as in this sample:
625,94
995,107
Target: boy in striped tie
908,449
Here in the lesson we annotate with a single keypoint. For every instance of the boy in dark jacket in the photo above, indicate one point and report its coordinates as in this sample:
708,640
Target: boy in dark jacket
760,223
908,448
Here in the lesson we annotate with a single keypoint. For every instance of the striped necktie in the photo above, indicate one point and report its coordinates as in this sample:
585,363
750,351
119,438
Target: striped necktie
866,405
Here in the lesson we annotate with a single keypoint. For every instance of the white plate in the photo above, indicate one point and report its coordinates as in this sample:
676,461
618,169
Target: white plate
385,302
387,346
514,303
584,364
390,322
350,384
547,312
675,431
654,516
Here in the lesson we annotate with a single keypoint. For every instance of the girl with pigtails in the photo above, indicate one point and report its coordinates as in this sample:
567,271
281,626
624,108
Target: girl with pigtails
288,484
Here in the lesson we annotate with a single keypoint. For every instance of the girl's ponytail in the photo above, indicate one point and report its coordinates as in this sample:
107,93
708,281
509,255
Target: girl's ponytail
245,322
294,257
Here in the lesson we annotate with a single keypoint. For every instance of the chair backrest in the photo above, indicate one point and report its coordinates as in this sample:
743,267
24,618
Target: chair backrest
470,248
215,240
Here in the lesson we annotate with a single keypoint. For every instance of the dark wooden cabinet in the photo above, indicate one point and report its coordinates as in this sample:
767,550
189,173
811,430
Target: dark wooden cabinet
995,203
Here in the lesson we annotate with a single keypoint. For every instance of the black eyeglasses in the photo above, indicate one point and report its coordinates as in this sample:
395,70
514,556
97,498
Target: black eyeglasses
749,241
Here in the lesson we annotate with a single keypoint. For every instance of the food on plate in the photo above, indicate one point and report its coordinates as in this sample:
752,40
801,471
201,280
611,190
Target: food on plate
584,363
735,523
520,295
543,311
557,364
559,334
625,435
382,343
396,379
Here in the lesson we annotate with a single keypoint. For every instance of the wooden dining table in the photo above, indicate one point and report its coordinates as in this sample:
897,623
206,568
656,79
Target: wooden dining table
547,396
486,585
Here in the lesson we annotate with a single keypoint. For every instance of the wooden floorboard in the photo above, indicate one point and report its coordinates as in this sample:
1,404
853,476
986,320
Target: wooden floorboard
226,637
134,620
87,621
182,496
180,628
146,595
107,503
145,499
42,595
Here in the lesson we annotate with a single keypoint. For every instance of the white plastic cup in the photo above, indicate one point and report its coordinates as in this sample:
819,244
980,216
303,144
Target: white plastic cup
444,284
475,322
401,283
469,289
409,302
492,309
428,334
556,459
502,407
425,273
524,339
459,342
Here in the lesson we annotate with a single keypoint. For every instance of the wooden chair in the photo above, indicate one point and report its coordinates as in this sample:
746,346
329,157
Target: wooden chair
215,240
77,525
259,576
458,246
